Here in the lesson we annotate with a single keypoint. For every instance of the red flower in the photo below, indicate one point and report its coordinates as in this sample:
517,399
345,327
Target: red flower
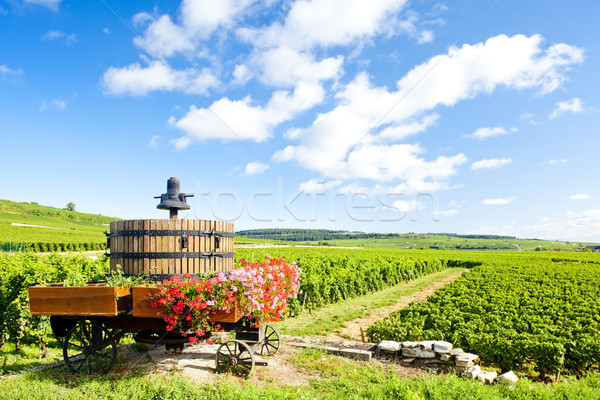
208,341
193,339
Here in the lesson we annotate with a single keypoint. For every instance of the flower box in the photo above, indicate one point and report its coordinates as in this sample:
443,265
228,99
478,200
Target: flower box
94,299
143,309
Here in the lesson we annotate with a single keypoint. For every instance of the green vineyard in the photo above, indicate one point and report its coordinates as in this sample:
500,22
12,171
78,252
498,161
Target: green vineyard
517,311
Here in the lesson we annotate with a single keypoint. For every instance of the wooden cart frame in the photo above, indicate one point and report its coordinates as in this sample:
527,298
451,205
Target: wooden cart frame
93,319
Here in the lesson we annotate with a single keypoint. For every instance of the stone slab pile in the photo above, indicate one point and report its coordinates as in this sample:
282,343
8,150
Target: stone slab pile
441,356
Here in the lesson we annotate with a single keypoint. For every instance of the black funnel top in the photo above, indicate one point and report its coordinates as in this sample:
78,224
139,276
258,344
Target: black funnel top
173,200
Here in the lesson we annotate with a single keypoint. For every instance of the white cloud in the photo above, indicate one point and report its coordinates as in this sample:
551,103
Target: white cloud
556,162
137,80
284,66
318,185
491,163
574,105
327,23
445,213
407,205
488,132
9,74
345,143
255,168
499,201
51,4
241,120
197,20
68,38
581,196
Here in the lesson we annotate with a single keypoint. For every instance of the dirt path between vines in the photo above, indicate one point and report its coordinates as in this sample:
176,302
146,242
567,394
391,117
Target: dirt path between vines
351,331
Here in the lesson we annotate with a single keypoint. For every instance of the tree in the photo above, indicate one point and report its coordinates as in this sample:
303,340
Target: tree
70,206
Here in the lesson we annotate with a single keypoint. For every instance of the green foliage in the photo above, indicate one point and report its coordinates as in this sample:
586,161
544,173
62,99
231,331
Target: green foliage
332,275
517,312
70,206
20,271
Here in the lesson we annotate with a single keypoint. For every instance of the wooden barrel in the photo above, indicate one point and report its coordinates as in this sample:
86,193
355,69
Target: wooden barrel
171,246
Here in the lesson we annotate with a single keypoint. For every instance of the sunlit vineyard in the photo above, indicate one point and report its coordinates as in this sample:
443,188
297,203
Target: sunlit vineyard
518,311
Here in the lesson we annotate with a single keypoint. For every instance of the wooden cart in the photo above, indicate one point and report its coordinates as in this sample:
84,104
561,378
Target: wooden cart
92,320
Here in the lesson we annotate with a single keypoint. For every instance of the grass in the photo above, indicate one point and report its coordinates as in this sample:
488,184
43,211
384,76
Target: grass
27,357
73,226
332,317
332,378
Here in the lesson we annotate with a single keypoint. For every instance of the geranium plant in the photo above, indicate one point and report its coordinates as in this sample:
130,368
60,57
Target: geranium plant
260,290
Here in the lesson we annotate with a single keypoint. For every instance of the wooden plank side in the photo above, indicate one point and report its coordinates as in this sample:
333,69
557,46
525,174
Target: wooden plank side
152,248
120,244
178,247
90,300
171,241
113,247
219,260
202,239
146,246
135,246
161,264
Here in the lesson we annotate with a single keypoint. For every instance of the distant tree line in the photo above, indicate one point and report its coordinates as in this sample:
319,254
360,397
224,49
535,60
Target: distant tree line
300,235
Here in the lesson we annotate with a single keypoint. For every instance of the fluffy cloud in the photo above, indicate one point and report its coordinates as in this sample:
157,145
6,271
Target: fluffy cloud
574,105
491,163
318,185
283,66
137,80
498,202
488,132
407,205
255,168
327,23
350,141
229,119
581,196
197,20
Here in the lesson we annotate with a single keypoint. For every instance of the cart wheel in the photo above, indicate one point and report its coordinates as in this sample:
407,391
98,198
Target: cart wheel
89,346
271,342
235,356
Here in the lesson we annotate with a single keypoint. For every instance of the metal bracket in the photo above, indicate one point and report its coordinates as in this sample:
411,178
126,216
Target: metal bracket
181,254
172,232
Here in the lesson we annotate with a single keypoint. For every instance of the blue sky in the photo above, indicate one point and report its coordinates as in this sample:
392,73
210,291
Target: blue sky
379,116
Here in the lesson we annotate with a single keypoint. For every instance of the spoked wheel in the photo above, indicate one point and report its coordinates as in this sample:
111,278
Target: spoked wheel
271,342
236,357
89,347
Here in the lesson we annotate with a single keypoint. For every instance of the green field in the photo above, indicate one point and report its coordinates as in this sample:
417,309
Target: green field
54,225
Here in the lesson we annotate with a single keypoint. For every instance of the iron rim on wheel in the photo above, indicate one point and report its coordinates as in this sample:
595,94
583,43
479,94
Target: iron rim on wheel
235,357
89,347
271,342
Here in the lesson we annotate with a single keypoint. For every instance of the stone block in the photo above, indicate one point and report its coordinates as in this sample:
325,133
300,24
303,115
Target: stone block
472,372
465,357
487,377
507,378
417,353
389,345
442,347
410,344
464,364
446,357
456,352
426,345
